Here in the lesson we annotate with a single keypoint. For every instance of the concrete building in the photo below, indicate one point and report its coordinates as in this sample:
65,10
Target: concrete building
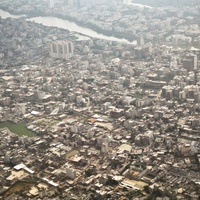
70,173
190,62
62,50
51,3
74,3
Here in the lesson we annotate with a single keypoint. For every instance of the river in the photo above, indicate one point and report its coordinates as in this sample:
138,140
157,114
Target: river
66,24
71,26
4,15
131,3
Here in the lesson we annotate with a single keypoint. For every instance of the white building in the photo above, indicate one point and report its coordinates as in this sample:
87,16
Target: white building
41,94
71,173
104,148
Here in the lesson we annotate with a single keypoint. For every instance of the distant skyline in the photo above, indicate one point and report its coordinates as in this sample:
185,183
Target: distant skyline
163,3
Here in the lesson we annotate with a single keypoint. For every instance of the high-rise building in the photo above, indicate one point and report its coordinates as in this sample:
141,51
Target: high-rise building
140,40
190,62
51,3
62,49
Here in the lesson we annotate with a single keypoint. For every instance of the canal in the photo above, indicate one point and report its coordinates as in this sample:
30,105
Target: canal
19,128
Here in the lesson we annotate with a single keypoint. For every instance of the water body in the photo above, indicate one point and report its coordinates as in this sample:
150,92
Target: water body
19,128
4,15
66,24
73,27
131,3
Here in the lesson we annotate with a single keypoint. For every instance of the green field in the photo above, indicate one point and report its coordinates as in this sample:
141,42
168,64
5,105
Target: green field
19,128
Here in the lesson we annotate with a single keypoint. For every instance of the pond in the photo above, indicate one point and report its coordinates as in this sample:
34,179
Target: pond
19,128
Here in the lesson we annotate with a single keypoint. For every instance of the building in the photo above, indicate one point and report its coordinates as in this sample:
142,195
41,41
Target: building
71,173
190,62
62,50
74,3
51,3
140,40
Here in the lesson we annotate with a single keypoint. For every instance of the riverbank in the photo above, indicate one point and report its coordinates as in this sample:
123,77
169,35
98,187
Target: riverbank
5,14
96,32
137,4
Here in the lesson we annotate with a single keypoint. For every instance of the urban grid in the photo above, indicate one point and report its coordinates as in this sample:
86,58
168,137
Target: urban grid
114,116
